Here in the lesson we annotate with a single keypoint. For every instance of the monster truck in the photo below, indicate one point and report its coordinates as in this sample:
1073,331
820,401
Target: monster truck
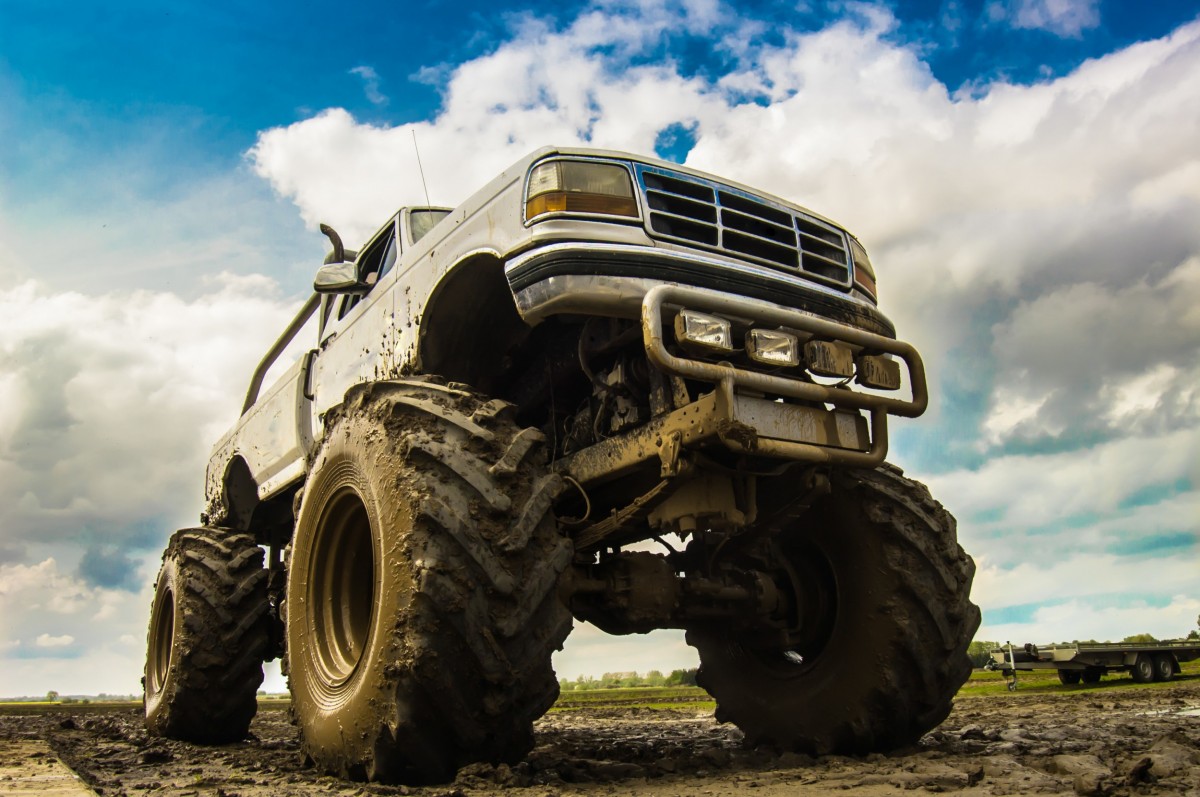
604,387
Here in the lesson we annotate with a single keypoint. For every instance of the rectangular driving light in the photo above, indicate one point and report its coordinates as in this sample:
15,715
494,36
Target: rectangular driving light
580,187
881,373
825,358
699,330
772,347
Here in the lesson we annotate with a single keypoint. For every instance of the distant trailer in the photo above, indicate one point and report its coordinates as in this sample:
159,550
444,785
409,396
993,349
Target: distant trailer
1088,662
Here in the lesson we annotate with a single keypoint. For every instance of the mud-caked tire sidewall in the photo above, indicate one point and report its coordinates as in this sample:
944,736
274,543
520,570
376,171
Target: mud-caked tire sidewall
165,617
333,718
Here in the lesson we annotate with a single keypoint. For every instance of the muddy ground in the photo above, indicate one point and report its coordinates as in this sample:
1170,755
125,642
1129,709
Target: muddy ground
1137,741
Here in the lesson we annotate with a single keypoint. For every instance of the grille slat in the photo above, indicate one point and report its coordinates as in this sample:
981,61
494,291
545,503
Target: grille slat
700,212
682,228
676,205
750,225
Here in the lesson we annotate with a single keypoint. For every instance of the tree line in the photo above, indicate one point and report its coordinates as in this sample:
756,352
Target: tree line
629,680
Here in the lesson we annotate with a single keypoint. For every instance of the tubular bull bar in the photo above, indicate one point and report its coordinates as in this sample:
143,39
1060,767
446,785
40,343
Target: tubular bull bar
742,413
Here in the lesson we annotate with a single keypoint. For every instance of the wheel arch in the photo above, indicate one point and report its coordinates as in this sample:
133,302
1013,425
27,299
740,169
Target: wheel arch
238,507
239,493
470,322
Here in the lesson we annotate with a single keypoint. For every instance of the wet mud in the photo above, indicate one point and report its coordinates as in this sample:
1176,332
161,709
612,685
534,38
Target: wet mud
1130,741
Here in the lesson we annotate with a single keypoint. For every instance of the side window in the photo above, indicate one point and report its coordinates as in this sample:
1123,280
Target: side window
422,221
389,258
376,261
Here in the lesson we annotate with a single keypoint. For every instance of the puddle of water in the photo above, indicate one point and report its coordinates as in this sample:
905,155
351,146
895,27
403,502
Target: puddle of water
1191,711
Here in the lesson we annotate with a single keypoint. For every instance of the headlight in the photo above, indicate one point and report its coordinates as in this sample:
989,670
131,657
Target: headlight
772,347
704,331
580,187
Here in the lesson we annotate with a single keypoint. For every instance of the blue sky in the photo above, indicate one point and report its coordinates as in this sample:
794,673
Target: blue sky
1026,174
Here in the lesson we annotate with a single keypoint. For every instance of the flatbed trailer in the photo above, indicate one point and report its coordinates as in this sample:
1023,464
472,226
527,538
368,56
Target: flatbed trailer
1088,662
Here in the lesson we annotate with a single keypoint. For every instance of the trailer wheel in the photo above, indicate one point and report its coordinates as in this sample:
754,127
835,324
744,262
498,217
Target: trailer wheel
1164,667
1070,677
883,622
1143,669
422,606
1092,675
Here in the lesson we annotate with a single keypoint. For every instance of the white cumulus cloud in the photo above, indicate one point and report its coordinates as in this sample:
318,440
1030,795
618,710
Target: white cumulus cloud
112,403
1067,18
51,619
47,641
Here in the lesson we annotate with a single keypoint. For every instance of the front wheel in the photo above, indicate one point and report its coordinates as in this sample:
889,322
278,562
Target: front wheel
422,606
882,623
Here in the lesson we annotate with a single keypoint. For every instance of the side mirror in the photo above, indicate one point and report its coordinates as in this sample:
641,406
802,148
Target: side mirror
339,278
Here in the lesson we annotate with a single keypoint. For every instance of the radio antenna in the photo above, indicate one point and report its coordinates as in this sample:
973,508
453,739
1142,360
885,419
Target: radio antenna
420,167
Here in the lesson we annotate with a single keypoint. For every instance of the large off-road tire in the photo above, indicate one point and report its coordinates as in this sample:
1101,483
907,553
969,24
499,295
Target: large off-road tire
883,615
208,637
422,606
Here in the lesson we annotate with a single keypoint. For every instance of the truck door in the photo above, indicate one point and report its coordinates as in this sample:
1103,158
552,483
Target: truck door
356,331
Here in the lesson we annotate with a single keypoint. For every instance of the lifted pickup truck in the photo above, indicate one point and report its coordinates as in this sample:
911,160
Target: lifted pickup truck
605,387
1090,661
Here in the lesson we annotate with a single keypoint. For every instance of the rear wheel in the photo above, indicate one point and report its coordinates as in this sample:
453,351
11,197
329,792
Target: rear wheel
1164,667
1143,668
208,637
422,606
1070,677
1092,675
883,620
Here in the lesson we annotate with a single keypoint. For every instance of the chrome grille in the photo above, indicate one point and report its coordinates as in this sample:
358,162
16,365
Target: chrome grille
698,212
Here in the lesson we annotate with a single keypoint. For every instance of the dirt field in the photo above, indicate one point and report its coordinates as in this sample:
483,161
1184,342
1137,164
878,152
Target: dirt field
1113,740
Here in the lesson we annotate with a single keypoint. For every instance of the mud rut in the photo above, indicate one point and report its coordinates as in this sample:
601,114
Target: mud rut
1102,742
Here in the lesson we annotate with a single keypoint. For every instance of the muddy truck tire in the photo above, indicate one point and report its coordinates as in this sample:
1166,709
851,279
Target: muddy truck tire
884,619
208,637
421,609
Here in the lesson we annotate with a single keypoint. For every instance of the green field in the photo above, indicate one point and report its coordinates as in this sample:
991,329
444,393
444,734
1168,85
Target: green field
76,707
691,699
688,699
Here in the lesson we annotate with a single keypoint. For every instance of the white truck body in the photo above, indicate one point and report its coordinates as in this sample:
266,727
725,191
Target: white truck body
379,336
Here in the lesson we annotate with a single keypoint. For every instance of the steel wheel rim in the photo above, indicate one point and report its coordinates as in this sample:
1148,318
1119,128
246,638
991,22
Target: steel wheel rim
814,588
164,639
341,587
